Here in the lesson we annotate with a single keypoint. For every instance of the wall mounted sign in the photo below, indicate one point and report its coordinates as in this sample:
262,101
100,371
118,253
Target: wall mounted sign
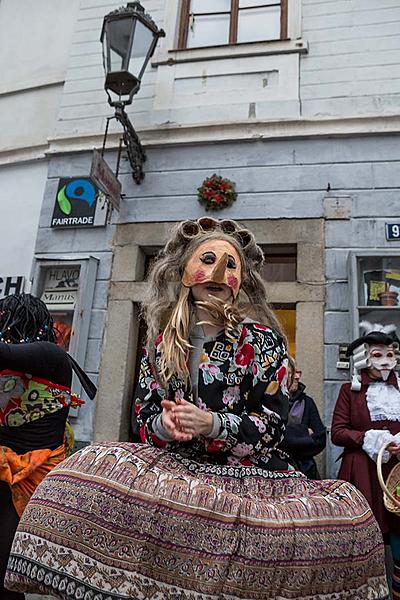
79,203
59,300
11,285
102,174
393,232
61,278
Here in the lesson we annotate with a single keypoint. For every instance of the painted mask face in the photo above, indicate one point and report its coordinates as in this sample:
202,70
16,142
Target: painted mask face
214,261
383,359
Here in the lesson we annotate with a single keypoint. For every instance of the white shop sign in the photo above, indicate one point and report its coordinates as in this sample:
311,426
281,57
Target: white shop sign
62,278
59,300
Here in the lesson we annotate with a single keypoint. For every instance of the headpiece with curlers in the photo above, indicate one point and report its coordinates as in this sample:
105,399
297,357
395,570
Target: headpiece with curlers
374,334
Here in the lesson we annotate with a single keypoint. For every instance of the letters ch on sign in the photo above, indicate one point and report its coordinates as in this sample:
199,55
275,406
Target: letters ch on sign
11,285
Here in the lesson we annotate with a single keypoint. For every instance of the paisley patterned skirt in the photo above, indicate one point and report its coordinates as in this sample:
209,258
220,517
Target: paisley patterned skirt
126,521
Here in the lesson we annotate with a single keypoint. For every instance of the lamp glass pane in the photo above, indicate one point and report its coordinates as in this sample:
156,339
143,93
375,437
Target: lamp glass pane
119,34
210,30
259,24
142,41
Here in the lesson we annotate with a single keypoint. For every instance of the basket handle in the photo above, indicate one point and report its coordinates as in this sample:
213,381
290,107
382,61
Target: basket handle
380,476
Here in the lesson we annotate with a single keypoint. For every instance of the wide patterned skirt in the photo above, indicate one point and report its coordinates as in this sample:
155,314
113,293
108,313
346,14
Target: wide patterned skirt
126,521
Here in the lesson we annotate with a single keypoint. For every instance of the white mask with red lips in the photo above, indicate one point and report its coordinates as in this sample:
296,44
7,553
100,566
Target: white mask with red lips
382,359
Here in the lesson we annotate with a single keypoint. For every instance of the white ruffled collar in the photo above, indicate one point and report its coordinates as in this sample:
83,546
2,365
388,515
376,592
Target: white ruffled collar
383,401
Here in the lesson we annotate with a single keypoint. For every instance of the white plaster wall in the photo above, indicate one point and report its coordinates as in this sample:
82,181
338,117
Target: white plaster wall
353,64
35,40
21,194
351,70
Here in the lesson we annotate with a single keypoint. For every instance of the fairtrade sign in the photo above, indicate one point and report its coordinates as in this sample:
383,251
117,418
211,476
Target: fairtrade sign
79,203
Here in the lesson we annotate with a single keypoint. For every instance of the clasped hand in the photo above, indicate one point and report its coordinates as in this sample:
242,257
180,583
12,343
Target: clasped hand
184,420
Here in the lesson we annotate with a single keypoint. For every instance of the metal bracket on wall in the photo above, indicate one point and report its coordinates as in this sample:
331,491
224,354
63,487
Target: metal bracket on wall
134,149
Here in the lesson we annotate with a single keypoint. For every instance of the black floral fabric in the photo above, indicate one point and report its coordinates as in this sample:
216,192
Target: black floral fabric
244,382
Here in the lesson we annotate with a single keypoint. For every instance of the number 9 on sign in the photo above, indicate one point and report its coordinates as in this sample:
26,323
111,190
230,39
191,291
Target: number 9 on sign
393,231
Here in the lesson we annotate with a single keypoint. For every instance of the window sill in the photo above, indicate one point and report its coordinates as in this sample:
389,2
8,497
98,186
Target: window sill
188,55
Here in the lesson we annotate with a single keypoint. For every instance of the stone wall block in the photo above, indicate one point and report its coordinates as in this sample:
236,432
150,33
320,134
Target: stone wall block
337,296
336,263
337,328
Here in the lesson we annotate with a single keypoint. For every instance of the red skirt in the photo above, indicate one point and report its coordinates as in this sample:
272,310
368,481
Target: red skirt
357,468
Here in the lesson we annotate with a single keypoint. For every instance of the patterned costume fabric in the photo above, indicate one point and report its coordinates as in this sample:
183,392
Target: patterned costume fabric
24,399
202,520
137,522
244,382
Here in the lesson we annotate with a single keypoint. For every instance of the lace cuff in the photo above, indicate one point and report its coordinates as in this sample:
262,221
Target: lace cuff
373,442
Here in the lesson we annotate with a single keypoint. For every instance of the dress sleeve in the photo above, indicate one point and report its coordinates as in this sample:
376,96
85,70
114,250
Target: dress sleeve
147,406
342,432
261,425
40,359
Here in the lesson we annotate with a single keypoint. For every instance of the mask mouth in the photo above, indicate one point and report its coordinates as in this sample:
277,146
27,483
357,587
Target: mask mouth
214,288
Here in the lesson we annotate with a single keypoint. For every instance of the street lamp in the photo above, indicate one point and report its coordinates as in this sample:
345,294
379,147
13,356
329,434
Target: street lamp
129,37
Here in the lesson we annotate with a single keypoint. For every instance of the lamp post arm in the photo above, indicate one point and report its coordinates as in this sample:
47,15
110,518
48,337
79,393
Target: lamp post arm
135,150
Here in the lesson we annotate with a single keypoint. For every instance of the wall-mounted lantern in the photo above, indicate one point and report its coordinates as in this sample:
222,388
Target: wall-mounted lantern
129,37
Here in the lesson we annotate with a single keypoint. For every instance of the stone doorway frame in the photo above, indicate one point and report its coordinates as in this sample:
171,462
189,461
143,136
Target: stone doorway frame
133,241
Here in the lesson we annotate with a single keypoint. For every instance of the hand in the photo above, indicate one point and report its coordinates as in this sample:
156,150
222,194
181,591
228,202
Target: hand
394,448
191,418
170,424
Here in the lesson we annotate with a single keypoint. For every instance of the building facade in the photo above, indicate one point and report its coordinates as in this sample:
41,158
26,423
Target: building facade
298,103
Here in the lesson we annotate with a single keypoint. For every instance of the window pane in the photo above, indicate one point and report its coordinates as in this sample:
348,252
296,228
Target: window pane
208,31
287,317
210,6
258,24
249,3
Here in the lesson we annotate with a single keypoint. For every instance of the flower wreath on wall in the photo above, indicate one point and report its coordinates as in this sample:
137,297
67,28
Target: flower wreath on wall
216,192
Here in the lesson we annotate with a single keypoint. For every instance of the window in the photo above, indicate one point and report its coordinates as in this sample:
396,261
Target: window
211,23
280,262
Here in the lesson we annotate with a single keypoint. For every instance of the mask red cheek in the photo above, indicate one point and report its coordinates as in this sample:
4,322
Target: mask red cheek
199,276
233,282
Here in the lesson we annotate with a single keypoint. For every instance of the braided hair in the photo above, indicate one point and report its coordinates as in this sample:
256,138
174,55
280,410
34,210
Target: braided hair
25,318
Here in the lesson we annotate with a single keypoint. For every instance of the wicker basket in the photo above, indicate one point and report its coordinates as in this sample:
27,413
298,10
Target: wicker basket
392,504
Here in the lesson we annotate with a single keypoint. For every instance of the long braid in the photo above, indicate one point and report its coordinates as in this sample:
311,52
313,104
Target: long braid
25,318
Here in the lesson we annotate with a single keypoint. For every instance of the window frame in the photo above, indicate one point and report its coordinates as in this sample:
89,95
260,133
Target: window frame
184,20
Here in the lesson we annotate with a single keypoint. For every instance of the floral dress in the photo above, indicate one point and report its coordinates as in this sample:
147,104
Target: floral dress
244,382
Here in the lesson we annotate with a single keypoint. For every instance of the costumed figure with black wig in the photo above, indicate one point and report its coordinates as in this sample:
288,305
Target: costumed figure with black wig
35,396
367,416
207,507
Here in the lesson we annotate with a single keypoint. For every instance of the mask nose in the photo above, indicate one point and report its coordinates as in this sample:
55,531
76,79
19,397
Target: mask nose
218,272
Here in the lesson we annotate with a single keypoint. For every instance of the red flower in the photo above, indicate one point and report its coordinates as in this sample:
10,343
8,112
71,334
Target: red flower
242,336
244,355
216,446
280,374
